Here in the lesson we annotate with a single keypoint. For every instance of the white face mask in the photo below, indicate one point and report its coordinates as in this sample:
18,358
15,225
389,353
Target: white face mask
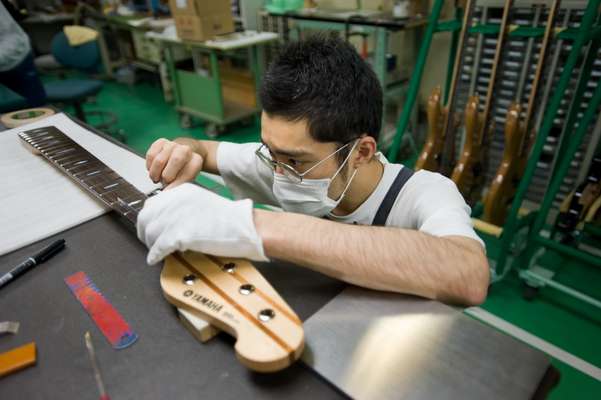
310,196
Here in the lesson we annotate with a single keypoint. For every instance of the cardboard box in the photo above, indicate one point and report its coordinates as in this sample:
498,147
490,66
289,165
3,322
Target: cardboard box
194,28
200,8
200,20
238,86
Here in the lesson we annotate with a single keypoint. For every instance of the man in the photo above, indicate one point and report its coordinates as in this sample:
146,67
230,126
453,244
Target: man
17,71
322,108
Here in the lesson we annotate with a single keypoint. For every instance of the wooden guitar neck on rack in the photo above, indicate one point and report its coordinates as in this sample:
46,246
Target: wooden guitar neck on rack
519,138
468,173
228,293
438,153
429,157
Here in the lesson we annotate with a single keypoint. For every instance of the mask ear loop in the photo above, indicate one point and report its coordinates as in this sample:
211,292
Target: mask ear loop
340,169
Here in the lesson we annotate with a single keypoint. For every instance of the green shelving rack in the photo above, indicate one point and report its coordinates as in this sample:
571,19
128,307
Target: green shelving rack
523,238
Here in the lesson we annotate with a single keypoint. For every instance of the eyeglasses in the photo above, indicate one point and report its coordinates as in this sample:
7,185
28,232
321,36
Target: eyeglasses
288,171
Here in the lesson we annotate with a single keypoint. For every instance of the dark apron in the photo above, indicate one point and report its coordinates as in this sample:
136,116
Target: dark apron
386,205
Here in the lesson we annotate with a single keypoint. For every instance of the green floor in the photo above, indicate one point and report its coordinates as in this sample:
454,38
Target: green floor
144,117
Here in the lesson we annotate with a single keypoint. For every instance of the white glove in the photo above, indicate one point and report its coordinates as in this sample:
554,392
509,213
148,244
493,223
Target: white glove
189,217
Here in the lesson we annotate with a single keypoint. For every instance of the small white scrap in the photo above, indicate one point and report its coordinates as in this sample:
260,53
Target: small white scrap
9,327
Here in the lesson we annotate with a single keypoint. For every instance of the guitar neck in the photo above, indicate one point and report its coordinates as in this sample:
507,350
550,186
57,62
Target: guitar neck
550,24
448,125
87,171
493,74
469,8
528,54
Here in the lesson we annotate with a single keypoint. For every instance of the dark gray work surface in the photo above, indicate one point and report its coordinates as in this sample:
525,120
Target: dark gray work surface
166,362
386,346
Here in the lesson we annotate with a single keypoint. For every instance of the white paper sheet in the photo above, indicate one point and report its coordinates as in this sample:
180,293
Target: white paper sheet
37,200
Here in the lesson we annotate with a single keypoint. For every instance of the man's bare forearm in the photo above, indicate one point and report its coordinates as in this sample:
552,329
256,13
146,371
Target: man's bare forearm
452,269
207,149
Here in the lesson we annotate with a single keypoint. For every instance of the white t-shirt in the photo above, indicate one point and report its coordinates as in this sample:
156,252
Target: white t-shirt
14,43
428,202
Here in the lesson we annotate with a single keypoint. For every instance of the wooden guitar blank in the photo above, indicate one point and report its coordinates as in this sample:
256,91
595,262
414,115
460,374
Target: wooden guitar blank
429,158
269,335
468,171
503,187
468,174
447,155
519,138
201,329
472,127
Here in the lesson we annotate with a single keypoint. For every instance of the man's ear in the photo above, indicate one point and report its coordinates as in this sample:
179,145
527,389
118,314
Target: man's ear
364,150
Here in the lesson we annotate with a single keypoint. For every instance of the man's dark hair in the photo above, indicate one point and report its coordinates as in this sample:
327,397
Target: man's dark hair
322,80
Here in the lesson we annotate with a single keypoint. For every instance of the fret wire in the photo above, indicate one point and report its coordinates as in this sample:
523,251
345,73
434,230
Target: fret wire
128,211
74,164
36,132
78,158
94,182
132,201
42,140
48,144
68,159
59,158
51,150
94,168
44,135
77,152
39,137
88,175
62,151
111,188
84,169
53,141
98,182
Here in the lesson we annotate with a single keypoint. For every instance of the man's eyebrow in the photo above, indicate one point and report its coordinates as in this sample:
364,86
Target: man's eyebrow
284,152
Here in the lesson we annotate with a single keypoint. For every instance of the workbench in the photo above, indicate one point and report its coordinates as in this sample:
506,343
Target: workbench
197,88
122,39
168,362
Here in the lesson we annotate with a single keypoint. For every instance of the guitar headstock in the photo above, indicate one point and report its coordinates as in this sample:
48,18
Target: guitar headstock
434,110
434,99
513,116
515,139
472,115
233,296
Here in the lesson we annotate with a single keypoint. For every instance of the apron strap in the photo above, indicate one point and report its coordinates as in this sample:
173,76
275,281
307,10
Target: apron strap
384,209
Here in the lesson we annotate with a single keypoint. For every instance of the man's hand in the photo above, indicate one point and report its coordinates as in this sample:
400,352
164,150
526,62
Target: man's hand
172,163
189,217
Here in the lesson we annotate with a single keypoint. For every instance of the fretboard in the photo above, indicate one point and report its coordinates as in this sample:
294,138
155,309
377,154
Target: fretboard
86,170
